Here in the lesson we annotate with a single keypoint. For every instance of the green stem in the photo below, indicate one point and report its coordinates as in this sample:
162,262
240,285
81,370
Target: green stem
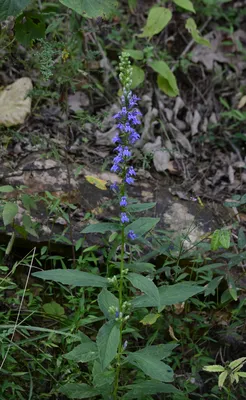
118,366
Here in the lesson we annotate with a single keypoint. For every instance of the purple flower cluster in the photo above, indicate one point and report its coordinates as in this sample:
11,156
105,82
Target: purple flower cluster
126,119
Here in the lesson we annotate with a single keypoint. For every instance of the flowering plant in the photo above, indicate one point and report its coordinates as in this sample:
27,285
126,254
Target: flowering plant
110,355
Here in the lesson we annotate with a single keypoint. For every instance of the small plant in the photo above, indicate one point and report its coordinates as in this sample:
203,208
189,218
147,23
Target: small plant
229,374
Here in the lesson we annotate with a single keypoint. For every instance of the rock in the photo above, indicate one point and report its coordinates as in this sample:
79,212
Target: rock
15,104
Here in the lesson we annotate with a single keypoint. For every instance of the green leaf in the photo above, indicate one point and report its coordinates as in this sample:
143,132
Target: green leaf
159,351
135,54
108,339
222,378
54,308
29,27
139,207
146,286
212,285
215,240
232,288
142,225
148,387
241,238
225,236
78,391
102,379
192,28
242,374
151,366
9,212
236,365
72,277
11,8
141,267
137,76
106,299
166,79
28,202
214,368
186,4
83,353
169,295
28,225
157,19
6,188
101,227
91,8
150,319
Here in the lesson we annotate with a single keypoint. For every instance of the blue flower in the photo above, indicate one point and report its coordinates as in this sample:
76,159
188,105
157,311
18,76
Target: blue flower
134,137
114,187
131,171
123,201
124,218
129,180
131,235
115,168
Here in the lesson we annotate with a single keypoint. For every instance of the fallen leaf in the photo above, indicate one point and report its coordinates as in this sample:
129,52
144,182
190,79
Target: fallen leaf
99,183
242,103
171,333
182,139
161,160
15,104
179,308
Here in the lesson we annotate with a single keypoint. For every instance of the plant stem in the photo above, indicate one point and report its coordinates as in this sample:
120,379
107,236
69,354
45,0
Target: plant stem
117,372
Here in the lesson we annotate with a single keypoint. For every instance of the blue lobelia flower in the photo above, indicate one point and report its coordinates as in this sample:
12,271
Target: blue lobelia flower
127,118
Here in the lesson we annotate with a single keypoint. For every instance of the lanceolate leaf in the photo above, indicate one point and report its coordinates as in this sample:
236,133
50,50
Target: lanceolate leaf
146,286
142,225
91,8
138,207
148,387
101,227
159,351
152,367
158,18
107,342
12,8
83,353
169,295
72,277
78,391
186,4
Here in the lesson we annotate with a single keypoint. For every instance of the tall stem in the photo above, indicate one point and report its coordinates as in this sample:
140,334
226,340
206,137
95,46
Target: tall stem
118,367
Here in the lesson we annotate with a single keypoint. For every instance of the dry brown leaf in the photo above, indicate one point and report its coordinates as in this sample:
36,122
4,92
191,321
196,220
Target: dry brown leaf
182,139
179,308
171,333
161,160
14,103
242,103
